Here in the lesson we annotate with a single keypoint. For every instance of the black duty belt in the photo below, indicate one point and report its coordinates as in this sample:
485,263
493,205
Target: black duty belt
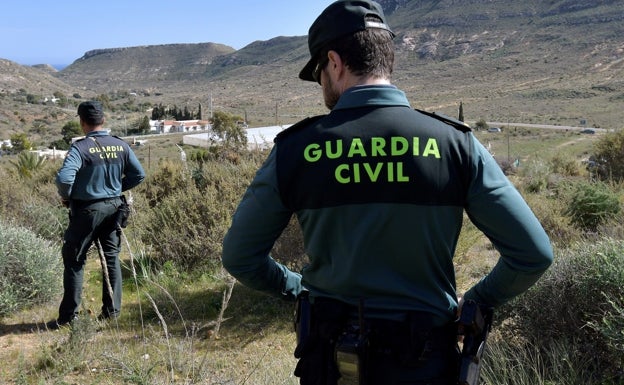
88,202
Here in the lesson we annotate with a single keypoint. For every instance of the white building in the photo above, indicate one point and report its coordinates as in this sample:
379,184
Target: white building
257,138
50,153
170,126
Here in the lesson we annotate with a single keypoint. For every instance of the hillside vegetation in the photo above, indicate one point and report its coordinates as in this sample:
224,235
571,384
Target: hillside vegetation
186,322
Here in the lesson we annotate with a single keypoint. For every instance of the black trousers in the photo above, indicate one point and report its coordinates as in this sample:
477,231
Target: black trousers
392,352
89,222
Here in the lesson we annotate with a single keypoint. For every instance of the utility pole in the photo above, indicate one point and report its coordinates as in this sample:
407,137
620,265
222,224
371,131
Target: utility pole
508,144
210,105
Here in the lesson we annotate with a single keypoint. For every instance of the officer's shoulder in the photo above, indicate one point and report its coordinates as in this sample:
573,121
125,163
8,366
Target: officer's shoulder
297,127
117,137
457,124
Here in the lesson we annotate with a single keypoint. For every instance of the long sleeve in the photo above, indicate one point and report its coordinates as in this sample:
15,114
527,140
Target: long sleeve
257,223
498,209
66,176
133,173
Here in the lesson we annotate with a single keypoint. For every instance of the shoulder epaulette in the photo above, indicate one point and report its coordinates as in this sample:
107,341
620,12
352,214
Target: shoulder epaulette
297,126
458,124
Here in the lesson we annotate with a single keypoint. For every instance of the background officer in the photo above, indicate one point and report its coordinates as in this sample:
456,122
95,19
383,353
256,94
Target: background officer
379,190
97,169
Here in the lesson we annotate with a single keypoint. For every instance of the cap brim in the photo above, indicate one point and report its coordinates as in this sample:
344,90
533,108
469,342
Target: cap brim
306,72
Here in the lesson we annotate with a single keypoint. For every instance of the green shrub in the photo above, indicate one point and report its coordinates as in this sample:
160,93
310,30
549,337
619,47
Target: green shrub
608,157
170,177
548,211
564,165
592,204
185,223
510,363
535,175
572,304
33,202
611,325
30,269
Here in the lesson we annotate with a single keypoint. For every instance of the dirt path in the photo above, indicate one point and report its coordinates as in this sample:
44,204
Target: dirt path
22,337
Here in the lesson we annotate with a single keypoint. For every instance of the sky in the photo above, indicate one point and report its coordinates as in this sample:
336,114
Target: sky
58,32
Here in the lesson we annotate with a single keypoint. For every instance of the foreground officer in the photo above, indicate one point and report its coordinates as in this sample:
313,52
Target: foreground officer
379,191
97,169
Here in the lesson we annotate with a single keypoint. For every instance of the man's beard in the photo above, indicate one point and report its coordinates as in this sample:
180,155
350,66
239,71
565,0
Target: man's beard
330,94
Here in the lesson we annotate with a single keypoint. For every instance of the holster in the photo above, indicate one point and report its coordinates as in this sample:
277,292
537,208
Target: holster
316,343
123,213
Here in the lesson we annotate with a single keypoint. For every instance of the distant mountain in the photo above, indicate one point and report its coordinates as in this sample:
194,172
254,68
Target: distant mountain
14,77
46,67
546,61
113,68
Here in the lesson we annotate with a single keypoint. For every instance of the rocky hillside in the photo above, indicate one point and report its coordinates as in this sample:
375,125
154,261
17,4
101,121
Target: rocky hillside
136,67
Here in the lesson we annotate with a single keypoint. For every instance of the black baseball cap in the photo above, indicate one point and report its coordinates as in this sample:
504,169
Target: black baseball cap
91,112
341,18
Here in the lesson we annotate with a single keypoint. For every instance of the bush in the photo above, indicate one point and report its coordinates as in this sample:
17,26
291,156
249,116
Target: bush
591,205
33,203
536,174
608,158
565,165
577,302
507,362
167,180
186,221
549,211
30,269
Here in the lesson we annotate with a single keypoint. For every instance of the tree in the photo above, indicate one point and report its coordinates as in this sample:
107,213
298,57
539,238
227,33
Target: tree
105,100
158,112
225,127
141,126
20,143
461,112
71,130
33,99
481,125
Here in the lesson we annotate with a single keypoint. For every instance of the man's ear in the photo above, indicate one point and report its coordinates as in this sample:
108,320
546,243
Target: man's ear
334,59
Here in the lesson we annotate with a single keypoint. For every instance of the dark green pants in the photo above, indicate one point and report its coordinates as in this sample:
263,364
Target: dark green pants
91,222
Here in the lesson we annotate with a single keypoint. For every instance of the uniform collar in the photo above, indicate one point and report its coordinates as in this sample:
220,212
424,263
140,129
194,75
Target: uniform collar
372,95
97,133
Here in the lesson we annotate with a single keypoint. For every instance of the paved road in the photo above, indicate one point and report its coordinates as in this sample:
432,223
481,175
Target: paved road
555,127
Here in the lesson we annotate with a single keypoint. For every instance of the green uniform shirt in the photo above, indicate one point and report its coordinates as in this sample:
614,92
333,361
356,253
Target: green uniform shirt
380,190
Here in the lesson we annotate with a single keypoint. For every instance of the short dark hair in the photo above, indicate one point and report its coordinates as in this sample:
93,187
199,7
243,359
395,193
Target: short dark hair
370,51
